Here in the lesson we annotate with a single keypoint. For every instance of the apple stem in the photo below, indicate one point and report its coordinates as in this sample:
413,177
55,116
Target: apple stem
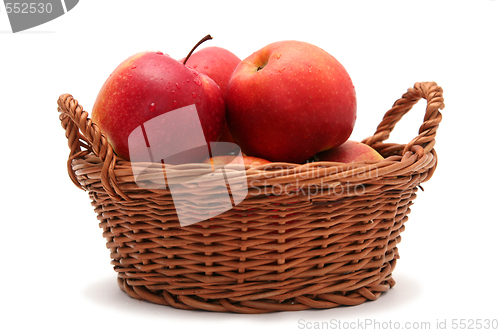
204,39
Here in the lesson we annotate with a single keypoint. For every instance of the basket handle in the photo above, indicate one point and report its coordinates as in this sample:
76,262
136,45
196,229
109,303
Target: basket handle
82,132
429,91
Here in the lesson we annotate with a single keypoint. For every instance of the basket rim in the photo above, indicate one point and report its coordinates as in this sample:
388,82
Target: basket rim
85,140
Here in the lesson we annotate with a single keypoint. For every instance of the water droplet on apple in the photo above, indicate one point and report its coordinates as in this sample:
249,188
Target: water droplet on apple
173,91
195,73
175,104
178,86
187,80
206,67
159,53
195,65
134,67
152,107
197,81
194,94
278,56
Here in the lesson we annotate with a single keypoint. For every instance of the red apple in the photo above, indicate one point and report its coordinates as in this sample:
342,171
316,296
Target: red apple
289,101
350,152
215,62
142,92
220,161
218,64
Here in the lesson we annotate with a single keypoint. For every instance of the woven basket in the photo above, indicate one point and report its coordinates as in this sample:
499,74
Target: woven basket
305,247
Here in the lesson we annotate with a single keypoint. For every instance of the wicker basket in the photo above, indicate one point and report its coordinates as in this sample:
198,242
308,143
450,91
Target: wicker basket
305,247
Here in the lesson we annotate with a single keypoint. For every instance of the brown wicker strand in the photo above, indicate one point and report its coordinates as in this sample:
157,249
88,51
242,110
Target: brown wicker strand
434,96
92,136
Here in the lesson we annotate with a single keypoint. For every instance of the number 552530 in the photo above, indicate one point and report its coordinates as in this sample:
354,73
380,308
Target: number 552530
28,8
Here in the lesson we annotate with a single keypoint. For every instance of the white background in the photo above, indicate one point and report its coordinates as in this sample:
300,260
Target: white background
54,268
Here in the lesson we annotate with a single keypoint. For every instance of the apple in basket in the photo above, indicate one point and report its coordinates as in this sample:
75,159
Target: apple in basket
288,101
174,110
350,152
218,64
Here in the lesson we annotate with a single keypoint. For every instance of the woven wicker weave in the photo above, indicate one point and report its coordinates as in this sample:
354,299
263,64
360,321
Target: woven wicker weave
306,247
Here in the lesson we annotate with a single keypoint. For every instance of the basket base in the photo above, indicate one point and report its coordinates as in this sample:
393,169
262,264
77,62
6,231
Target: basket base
304,302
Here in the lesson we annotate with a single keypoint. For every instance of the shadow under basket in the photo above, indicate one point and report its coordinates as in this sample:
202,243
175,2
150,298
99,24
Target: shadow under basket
305,236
